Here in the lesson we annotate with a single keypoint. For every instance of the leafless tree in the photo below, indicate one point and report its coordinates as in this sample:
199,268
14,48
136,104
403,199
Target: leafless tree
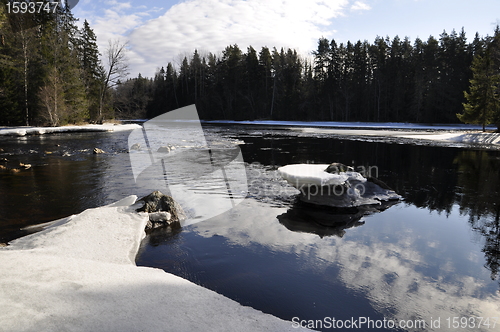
51,99
117,69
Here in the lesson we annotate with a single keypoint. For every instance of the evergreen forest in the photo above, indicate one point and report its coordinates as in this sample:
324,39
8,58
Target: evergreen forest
51,74
50,70
389,80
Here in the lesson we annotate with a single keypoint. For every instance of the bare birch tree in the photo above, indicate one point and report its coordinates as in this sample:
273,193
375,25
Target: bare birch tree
51,98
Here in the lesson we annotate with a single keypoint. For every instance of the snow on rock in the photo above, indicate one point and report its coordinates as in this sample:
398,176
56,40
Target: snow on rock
79,274
23,131
339,189
303,174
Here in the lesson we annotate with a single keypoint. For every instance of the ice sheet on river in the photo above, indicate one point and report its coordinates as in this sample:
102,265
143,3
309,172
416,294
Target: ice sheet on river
80,275
339,189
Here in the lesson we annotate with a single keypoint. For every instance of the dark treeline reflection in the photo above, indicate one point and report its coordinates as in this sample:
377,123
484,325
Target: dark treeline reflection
434,178
478,194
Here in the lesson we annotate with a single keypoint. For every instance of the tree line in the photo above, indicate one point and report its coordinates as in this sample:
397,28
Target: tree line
50,70
51,73
388,80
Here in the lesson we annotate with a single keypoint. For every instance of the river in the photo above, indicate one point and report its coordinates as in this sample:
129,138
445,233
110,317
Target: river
431,258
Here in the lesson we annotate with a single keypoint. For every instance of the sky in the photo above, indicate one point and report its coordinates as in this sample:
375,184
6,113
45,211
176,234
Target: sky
158,32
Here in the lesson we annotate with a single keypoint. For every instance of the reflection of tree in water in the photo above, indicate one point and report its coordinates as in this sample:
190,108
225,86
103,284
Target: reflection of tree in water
478,190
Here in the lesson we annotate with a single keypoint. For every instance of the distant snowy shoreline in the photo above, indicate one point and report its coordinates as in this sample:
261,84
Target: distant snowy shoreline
446,133
354,125
23,131
452,133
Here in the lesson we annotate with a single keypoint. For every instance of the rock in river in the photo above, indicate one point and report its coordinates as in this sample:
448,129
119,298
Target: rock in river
162,209
336,185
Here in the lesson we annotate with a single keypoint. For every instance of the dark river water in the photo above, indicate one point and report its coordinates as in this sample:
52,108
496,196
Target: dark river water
429,262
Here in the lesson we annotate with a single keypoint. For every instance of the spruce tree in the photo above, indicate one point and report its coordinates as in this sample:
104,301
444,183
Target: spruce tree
63,72
92,69
483,100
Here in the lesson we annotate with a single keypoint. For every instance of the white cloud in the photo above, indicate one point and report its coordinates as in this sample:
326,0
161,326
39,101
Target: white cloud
212,25
113,20
119,5
359,6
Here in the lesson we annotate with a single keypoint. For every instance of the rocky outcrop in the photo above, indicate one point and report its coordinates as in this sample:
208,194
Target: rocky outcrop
336,185
336,168
163,210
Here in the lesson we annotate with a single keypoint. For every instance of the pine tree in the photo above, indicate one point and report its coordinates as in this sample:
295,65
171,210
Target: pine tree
483,100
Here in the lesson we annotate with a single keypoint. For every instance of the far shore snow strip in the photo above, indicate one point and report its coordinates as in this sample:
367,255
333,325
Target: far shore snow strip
469,138
23,131
80,275
453,133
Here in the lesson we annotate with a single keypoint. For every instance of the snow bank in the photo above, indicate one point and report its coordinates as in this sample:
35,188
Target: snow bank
80,275
23,131
469,138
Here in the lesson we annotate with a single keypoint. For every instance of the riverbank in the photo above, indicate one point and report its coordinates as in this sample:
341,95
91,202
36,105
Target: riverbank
79,274
107,127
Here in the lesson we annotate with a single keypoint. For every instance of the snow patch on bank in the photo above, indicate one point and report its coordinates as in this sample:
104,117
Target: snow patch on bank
23,131
470,138
80,275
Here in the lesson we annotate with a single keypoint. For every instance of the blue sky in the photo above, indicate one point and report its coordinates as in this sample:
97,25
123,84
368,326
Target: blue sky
159,32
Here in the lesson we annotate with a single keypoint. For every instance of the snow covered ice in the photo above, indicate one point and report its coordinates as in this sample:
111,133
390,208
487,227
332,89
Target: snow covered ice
23,131
79,274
